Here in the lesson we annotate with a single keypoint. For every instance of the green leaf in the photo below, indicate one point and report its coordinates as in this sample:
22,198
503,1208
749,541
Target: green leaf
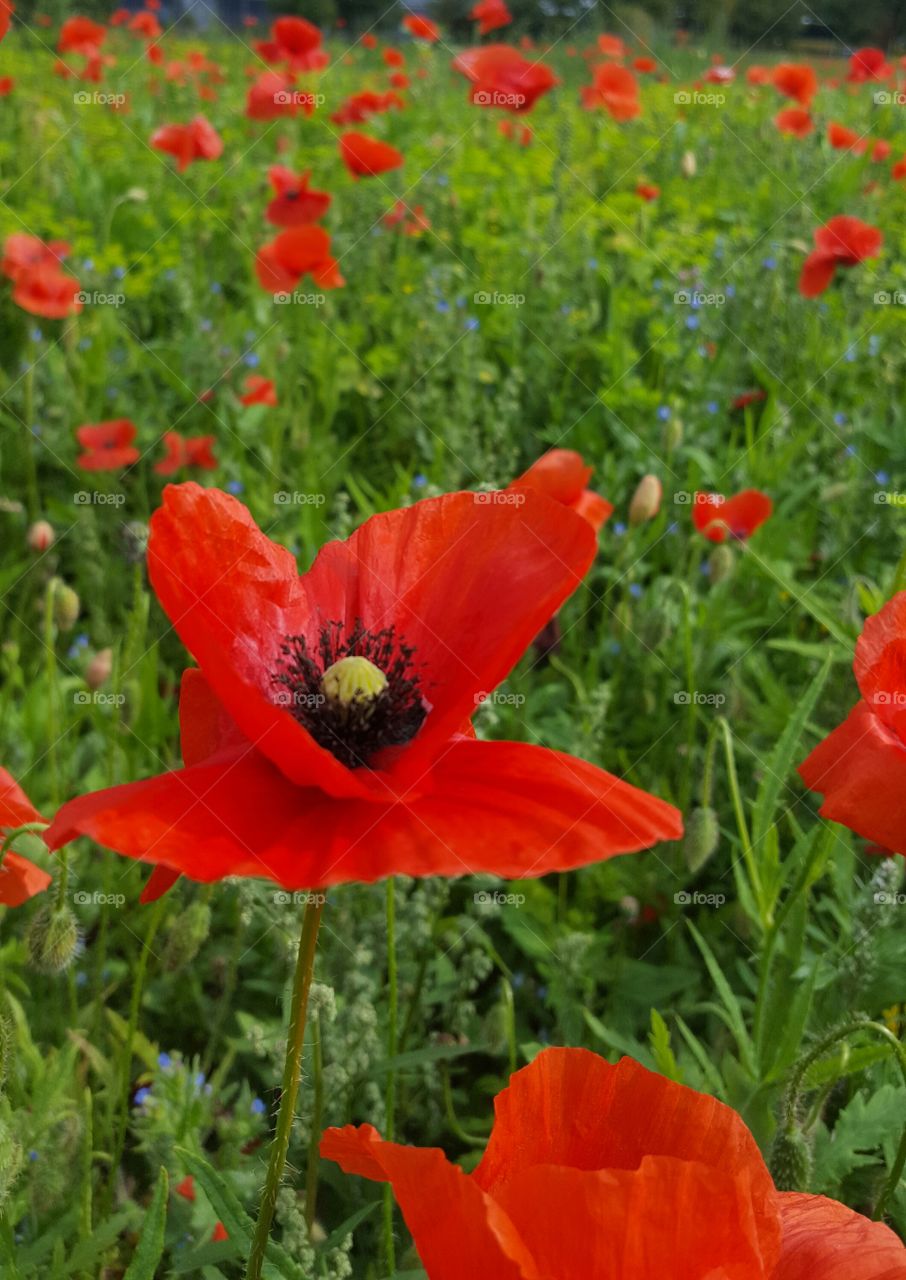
659,1039
735,1020
150,1247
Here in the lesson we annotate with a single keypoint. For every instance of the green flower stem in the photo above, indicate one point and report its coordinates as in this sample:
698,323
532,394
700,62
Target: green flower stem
292,1071
390,1122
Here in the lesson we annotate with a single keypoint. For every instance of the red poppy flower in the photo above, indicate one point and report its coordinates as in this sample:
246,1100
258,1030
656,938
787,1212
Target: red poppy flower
188,142
794,120
219,1233
120,17
7,84
796,80
746,398
369,41
295,204
645,66
561,474
614,1172
108,445
399,80
297,43
367,157
6,13
842,242
359,106
23,253
720,75
325,732
501,77
860,767
19,878
271,96
80,35
421,28
186,451
411,221
490,15
647,191
616,90
186,1188
898,172
47,292
842,138
611,46
868,64
146,24
759,75
294,253
259,390
393,58
881,151
720,518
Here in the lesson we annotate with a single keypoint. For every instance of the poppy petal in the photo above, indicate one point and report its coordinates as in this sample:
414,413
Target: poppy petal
826,1239
457,1229
20,880
817,273
15,807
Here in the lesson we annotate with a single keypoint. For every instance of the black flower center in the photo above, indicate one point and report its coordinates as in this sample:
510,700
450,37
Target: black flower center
355,694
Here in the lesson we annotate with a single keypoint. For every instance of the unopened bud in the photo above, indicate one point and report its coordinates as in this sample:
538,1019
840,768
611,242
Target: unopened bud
720,563
52,939
790,1161
673,434
646,501
66,604
689,164
702,835
98,670
40,536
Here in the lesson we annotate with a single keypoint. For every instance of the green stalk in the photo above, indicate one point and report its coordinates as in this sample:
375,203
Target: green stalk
317,1111
389,1248
31,468
292,1070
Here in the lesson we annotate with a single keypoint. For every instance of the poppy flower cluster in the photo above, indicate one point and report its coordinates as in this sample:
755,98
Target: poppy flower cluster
409,221
614,1172
359,106
842,242
40,285
198,140
796,80
860,767
502,77
20,879
326,730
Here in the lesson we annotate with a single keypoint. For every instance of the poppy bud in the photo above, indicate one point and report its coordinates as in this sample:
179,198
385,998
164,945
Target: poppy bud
353,679
10,1161
720,563
790,1161
187,934
646,500
52,939
134,537
40,536
98,670
673,434
688,164
66,604
702,835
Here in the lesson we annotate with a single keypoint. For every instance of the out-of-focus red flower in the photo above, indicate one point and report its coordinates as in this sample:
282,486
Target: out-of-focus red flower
20,879
259,390
366,157
249,21
501,77
720,75
647,191
184,452
794,120
759,75
293,774
295,203
644,66
842,138
611,46
868,64
299,251
490,15
562,474
369,40
796,80
411,221
399,80
22,252
80,35
6,14
613,1172
298,44
7,84
880,151
898,172
720,518
842,242
270,96
120,17
219,1233
146,25
107,445
47,292
507,129
186,1188
393,58
745,398
198,140
421,28
359,106
615,89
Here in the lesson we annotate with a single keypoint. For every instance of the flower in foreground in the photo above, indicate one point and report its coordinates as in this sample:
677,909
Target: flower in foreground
562,474
842,242
20,879
720,518
860,767
613,1172
296,252
326,731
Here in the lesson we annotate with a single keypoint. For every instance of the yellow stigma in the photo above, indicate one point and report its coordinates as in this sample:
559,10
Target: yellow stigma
353,680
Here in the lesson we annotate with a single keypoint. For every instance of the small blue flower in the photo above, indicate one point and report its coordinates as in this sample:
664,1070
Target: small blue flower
252,359
87,264
882,477
205,325
874,344
36,335
473,323
712,406
119,272
673,527
769,264
850,451
164,1061
592,264
258,1107
419,480
566,309
32,1155
442,180
619,528
216,286
517,981
839,419
442,306
200,1078
142,1095
692,322
542,992
614,648
850,355
635,590
664,412
84,344
731,291
235,486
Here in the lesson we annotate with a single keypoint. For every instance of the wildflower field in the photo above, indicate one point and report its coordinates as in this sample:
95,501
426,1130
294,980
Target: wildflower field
452,650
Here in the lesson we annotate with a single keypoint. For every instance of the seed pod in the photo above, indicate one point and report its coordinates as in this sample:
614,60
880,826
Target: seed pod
702,836
52,939
720,563
790,1161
